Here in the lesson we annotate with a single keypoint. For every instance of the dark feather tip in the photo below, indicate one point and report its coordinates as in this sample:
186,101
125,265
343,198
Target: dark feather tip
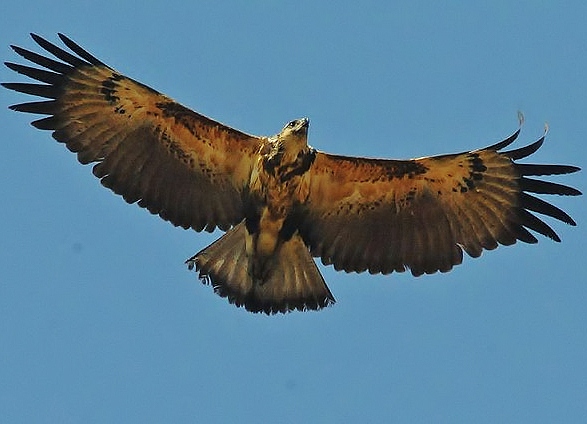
525,151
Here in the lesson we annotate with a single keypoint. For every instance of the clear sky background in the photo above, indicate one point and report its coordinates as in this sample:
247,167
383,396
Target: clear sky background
100,321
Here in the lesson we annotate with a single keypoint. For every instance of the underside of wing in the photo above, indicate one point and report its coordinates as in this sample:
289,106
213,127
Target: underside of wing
178,164
383,215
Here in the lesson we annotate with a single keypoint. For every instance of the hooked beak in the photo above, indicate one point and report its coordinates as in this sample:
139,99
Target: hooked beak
302,125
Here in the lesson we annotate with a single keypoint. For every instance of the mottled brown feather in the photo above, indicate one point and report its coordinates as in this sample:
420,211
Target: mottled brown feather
178,164
382,216
357,214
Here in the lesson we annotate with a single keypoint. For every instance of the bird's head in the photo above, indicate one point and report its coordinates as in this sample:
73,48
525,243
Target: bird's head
293,138
296,129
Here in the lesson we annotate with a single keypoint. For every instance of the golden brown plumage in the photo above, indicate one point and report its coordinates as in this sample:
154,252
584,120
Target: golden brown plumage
279,200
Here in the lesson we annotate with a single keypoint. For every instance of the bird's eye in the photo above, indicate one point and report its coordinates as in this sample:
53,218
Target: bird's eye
292,124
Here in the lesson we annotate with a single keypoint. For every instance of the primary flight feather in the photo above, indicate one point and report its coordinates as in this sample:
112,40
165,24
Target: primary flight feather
281,201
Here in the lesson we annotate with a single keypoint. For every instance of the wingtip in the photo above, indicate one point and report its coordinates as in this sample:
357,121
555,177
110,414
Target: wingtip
575,192
505,143
37,38
63,37
525,151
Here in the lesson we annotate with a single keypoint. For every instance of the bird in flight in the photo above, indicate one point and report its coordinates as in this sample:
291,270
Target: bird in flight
280,201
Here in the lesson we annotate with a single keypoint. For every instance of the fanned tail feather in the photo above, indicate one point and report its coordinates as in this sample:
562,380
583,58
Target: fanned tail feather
293,280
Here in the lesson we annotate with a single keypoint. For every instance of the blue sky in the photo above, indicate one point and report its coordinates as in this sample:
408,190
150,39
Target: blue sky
100,321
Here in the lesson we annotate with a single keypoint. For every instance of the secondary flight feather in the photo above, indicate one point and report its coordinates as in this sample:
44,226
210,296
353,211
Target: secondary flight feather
279,200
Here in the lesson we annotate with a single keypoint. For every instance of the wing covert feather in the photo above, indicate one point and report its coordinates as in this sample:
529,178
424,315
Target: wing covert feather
178,164
386,215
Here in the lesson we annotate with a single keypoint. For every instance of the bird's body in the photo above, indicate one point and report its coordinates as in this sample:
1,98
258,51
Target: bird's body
281,201
278,186
274,262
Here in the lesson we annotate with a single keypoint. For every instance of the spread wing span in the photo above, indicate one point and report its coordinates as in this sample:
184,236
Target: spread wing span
358,214
178,164
383,215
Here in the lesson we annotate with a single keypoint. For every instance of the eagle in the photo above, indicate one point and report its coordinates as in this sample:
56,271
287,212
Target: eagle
280,201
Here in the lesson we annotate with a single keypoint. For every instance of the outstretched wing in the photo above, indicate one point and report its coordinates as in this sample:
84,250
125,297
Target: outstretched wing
384,215
175,162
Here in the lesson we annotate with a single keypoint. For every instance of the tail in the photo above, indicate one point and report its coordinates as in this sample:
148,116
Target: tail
292,282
